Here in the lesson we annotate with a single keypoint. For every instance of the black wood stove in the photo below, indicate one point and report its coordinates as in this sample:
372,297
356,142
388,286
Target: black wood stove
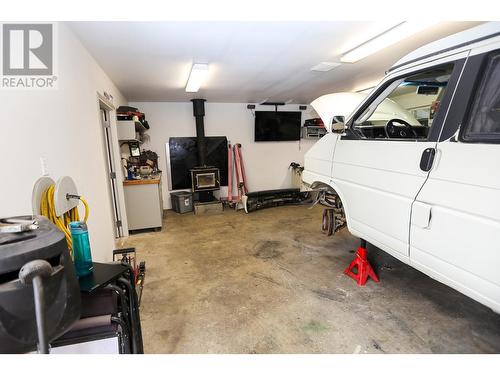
205,179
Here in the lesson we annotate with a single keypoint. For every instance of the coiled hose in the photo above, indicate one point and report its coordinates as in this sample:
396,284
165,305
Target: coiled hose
48,209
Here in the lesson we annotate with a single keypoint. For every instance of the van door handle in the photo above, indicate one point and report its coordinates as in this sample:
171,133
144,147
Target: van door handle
427,159
421,215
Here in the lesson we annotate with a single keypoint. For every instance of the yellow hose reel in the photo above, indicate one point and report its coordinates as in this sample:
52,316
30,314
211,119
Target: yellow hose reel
59,203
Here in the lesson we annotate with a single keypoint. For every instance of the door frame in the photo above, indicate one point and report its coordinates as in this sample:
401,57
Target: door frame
114,151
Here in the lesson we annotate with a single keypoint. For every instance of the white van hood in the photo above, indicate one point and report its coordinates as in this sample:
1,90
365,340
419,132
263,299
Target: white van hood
337,104
389,109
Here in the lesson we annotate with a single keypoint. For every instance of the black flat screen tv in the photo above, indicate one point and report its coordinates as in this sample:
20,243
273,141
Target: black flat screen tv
272,126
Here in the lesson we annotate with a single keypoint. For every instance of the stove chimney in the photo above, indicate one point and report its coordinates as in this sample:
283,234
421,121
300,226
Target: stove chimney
199,113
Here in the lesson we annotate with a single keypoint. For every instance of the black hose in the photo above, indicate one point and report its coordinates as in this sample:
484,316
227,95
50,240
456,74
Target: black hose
123,299
125,313
137,343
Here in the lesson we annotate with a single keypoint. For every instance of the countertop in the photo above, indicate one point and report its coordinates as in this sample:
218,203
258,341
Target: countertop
146,181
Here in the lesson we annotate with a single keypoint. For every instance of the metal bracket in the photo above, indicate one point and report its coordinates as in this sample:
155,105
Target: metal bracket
17,225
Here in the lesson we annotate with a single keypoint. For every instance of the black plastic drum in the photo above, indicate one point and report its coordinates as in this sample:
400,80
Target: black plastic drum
18,329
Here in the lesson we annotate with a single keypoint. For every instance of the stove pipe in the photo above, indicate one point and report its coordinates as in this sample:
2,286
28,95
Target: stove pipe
199,113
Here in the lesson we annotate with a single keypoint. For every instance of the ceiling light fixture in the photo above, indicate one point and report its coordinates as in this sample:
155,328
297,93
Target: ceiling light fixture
387,38
325,66
198,75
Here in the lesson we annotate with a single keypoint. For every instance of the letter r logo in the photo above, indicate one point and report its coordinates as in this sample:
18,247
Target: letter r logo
27,49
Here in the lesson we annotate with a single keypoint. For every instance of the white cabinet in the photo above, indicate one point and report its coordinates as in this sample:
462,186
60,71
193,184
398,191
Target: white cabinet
129,130
143,202
126,130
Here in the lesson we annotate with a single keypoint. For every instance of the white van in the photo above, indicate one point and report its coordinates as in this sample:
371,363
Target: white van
416,169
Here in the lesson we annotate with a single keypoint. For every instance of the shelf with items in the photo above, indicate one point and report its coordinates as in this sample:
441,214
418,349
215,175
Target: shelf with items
126,141
313,132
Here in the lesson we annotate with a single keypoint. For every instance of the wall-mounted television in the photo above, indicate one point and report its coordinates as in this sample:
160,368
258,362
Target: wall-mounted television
277,126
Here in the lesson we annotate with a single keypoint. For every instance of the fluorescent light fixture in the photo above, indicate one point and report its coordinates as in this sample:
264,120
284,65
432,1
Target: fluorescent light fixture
198,75
387,38
325,66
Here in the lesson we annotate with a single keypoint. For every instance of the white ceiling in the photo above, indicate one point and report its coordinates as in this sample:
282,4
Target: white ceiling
249,61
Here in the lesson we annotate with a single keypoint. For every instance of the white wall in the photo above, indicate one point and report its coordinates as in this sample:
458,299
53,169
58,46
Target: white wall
266,163
63,127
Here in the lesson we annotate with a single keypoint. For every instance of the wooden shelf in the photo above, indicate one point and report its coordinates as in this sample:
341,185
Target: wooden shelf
146,181
122,141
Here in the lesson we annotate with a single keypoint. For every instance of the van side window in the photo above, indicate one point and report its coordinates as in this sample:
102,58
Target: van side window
406,108
483,122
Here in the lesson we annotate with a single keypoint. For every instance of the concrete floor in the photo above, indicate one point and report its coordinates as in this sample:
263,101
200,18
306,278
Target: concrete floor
271,282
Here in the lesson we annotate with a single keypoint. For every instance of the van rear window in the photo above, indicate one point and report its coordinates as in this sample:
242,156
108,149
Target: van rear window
484,118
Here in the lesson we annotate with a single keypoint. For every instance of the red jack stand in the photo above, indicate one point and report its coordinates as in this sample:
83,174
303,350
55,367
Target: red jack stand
363,266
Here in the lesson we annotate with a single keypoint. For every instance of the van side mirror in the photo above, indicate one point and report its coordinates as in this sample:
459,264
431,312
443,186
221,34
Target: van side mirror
338,127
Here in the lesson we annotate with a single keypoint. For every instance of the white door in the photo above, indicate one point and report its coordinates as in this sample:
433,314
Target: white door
377,164
111,170
455,229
